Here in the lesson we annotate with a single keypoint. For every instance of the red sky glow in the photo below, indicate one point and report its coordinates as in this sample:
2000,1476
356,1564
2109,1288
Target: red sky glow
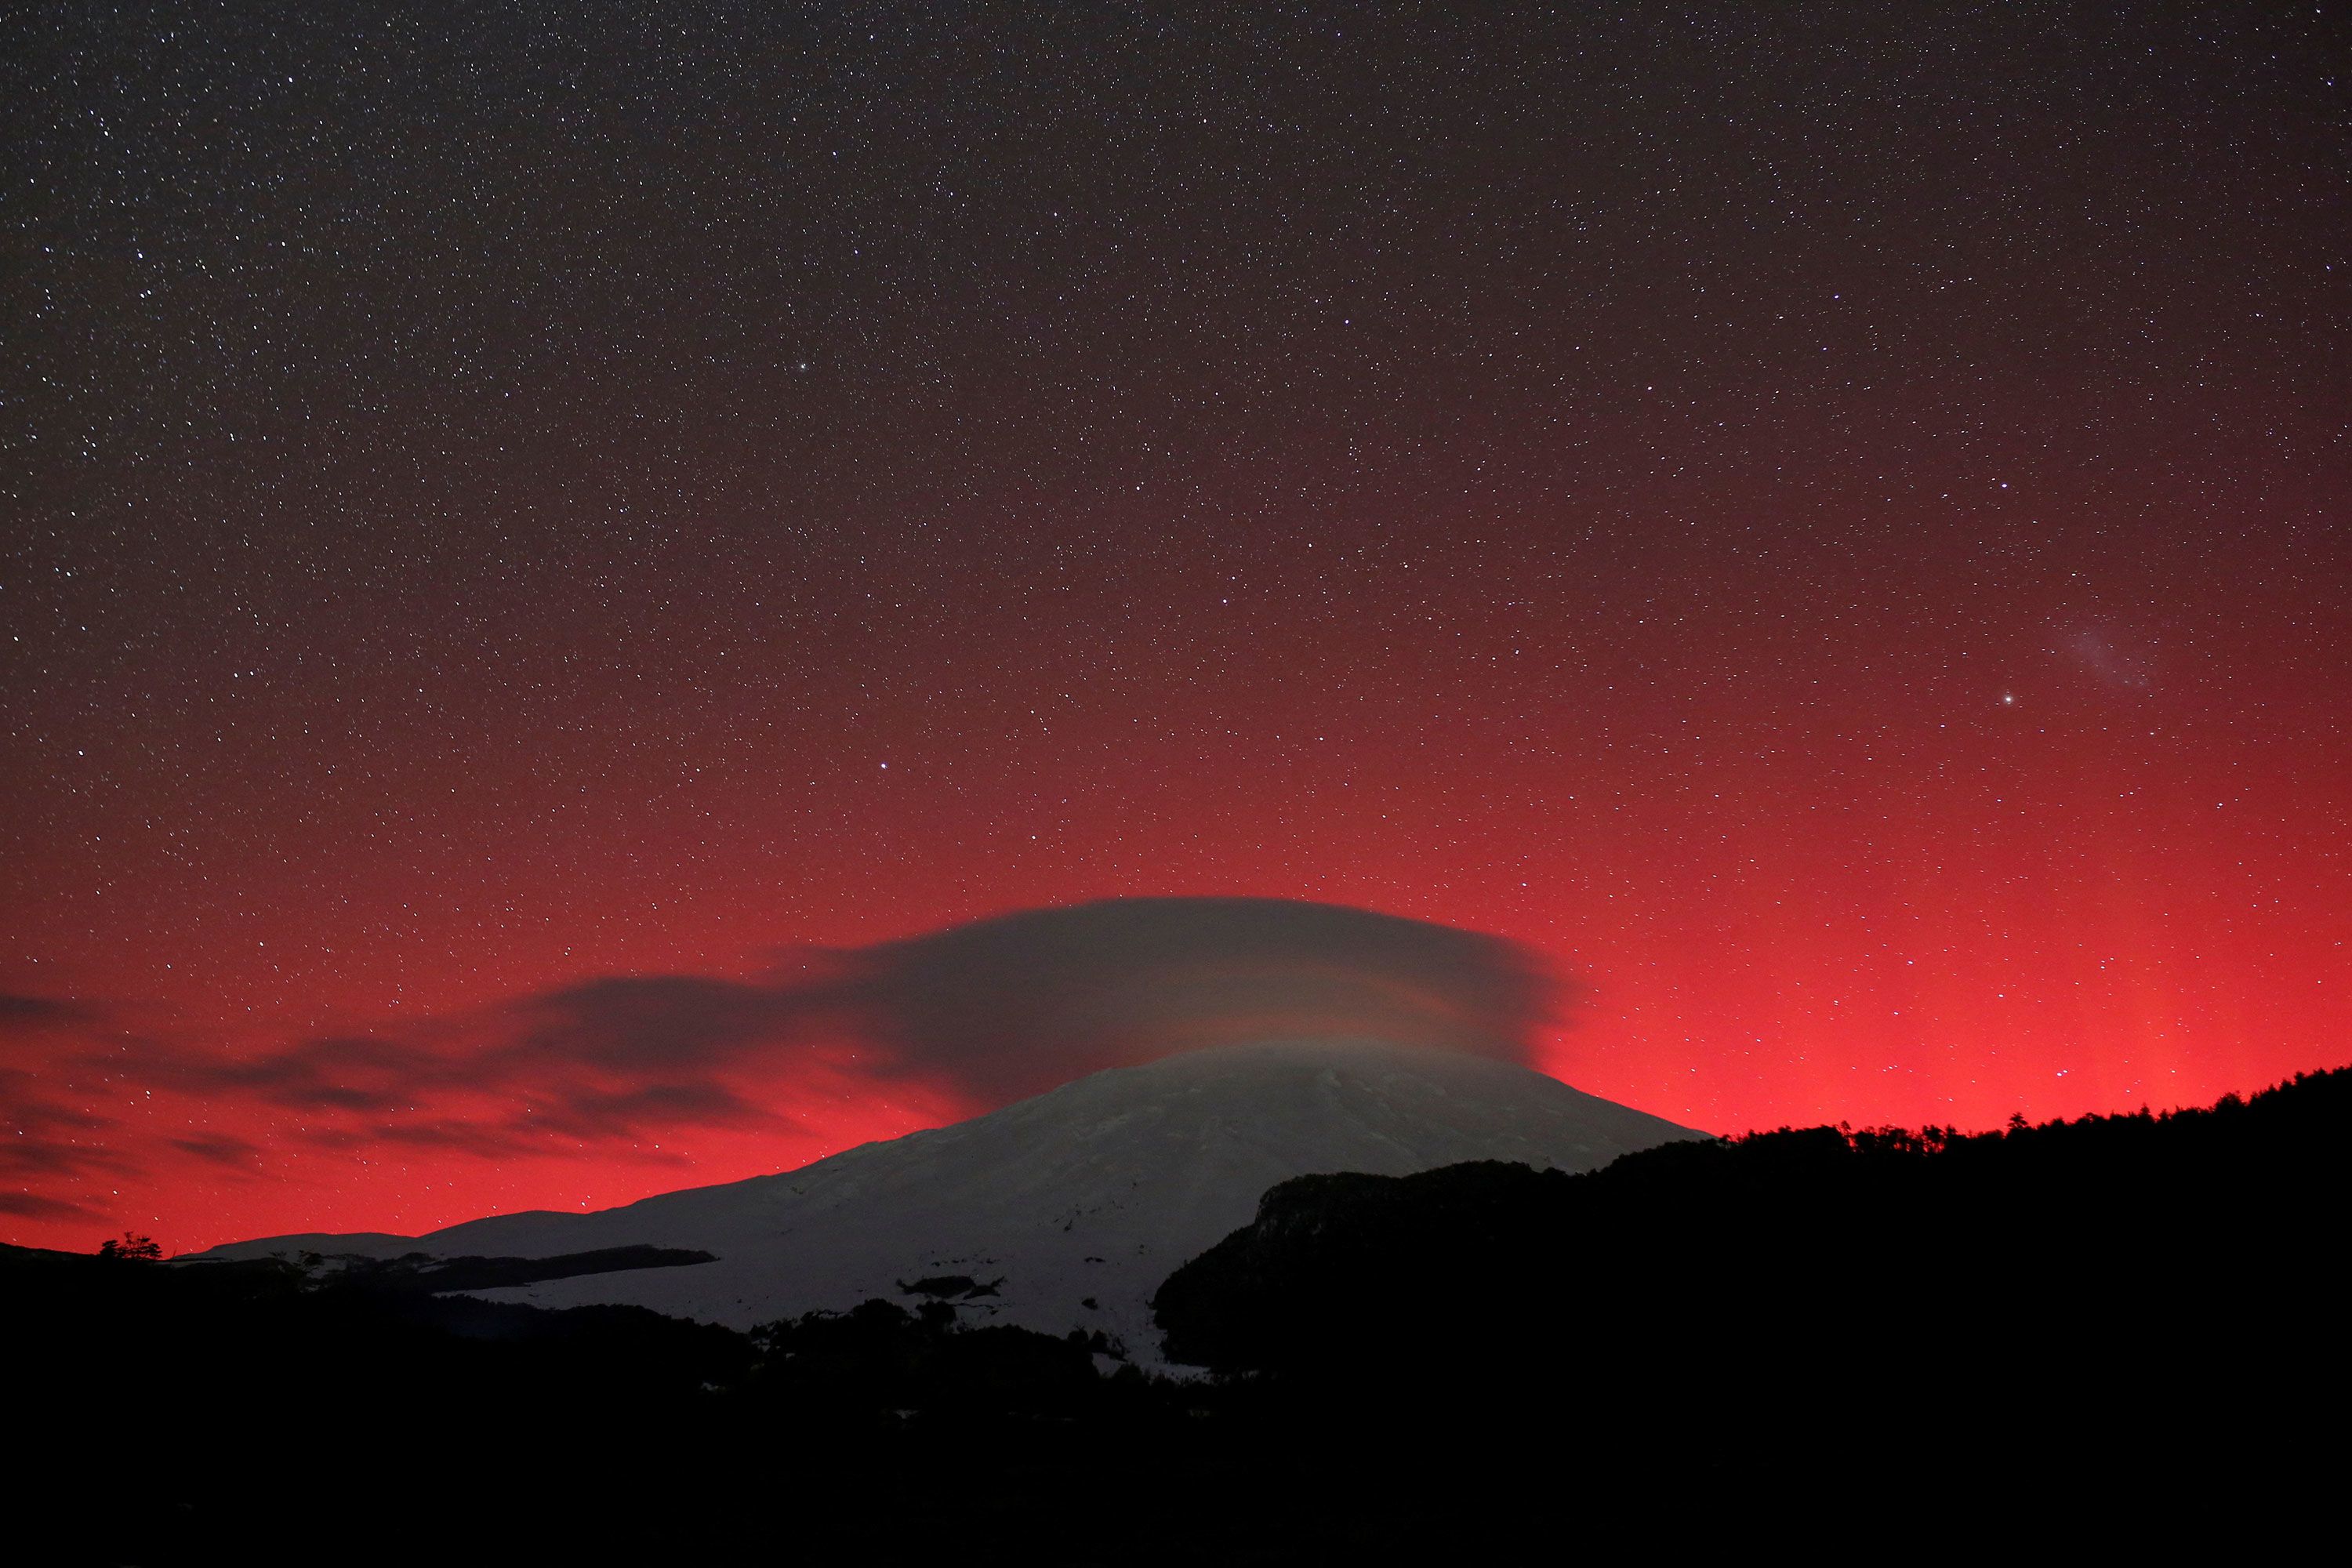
1839,552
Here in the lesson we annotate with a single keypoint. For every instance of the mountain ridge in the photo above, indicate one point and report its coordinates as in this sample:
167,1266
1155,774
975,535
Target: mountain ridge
1072,1204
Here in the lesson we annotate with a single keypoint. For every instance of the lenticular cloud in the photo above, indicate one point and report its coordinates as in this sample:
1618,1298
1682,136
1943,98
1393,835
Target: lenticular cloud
1015,1005
946,1023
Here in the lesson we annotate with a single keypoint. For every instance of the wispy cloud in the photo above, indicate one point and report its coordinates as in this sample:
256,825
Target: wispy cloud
33,1205
20,1012
219,1149
43,1136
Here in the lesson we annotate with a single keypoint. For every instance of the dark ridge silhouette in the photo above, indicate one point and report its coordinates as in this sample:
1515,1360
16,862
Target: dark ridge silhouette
423,1271
944,1286
1931,1325
2151,1235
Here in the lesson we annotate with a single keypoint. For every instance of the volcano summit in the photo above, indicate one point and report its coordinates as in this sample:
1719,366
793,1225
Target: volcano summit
1059,1212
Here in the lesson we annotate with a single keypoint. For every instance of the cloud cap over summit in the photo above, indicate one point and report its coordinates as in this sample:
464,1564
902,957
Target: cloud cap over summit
1015,1004
751,1073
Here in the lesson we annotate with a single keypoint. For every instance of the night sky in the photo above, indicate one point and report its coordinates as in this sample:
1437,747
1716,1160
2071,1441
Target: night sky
538,540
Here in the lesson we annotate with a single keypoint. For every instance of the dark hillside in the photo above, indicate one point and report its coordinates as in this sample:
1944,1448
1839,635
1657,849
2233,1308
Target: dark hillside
2111,1301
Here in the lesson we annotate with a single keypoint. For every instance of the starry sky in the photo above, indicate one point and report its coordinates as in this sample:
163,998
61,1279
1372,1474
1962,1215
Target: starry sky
532,533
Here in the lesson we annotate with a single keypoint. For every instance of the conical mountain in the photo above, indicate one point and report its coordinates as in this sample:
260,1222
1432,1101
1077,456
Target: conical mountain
1060,1212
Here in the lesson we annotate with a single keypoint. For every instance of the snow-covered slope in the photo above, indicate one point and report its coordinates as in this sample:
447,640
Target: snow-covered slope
1073,1206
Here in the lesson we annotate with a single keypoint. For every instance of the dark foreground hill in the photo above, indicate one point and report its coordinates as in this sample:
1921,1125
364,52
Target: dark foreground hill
2094,1334
2138,1234
2142,1317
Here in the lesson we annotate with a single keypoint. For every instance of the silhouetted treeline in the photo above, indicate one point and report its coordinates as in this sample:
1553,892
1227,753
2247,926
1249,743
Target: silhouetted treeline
2142,1306
2196,1217
2134,1324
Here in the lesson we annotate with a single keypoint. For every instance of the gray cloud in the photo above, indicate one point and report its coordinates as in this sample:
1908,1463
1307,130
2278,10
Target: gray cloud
1011,1007
619,1113
45,1140
27,1106
18,1011
988,1012
219,1149
42,1137
659,1023
27,1154
333,1072
33,1205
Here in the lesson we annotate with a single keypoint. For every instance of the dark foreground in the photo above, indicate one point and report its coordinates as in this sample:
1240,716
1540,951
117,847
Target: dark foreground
2120,1331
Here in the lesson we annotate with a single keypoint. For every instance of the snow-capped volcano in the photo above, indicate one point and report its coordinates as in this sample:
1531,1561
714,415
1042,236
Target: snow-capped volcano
1064,1211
